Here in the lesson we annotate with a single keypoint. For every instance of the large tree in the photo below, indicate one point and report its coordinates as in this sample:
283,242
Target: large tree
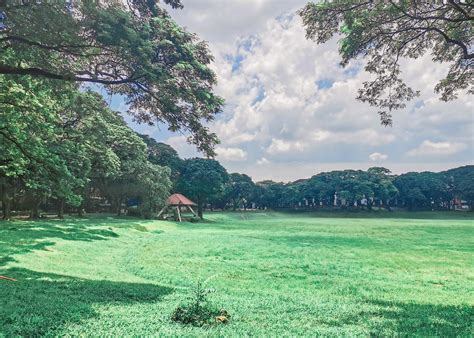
56,139
131,48
202,179
383,32
30,136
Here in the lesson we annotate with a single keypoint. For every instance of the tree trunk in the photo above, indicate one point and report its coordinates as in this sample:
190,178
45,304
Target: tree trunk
61,208
6,205
119,207
200,203
35,214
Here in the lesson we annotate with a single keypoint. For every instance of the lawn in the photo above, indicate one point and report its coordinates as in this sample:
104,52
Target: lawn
275,273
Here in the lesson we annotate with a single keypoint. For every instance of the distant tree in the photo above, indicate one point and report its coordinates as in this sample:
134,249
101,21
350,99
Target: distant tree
383,32
130,48
272,193
320,188
131,152
382,184
201,179
291,195
460,182
164,155
239,190
422,190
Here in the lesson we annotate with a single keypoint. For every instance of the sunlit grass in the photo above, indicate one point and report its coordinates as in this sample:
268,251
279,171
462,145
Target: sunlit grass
276,274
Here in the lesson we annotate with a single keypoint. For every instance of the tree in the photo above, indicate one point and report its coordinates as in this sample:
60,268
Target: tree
460,181
201,179
131,48
272,193
32,138
131,153
239,190
320,188
291,195
164,155
382,184
422,190
153,187
384,31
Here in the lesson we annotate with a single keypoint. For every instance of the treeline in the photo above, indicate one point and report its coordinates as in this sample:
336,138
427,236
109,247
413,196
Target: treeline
358,189
209,184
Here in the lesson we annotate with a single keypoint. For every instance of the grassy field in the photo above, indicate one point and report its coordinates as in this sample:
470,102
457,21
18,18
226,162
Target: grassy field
276,274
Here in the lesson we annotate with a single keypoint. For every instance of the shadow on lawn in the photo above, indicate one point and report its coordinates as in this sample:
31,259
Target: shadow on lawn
389,318
408,319
20,237
42,303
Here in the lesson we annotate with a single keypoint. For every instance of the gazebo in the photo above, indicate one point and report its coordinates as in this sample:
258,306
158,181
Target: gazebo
176,202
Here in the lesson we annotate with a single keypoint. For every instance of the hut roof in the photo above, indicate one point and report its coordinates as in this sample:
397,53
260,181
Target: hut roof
178,199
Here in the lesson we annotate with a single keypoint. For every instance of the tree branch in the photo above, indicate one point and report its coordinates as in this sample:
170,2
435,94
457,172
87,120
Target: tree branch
32,71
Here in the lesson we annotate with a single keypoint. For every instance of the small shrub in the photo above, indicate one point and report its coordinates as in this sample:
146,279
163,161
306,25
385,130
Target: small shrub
198,310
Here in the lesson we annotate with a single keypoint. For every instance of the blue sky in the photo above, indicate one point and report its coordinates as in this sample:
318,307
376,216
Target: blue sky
291,110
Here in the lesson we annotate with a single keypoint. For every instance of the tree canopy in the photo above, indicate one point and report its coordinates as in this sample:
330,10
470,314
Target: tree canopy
164,155
383,32
133,49
201,179
59,142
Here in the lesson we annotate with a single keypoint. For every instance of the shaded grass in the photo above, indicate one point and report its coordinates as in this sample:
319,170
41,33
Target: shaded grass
277,273
45,303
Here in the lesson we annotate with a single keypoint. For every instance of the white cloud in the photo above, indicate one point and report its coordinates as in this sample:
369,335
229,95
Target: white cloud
281,146
231,154
429,148
378,157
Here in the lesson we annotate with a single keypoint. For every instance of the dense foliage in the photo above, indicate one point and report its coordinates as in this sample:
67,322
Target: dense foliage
376,187
64,146
131,48
201,179
384,32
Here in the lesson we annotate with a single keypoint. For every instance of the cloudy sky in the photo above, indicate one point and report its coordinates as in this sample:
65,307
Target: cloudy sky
291,110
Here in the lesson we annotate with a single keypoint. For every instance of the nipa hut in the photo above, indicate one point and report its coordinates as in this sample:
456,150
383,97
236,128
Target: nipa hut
178,203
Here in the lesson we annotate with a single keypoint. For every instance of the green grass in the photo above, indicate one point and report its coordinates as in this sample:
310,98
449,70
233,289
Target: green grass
275,273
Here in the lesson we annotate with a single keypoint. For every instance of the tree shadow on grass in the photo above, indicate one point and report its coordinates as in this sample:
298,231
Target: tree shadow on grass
21,237
389,318
43,303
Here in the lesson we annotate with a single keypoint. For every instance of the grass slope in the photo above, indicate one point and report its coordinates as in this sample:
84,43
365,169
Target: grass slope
277,274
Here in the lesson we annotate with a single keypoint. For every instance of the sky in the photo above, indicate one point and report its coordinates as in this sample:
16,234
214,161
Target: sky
290,108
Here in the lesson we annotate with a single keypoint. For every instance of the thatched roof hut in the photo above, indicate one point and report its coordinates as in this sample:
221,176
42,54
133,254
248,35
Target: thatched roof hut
176,202
178,199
